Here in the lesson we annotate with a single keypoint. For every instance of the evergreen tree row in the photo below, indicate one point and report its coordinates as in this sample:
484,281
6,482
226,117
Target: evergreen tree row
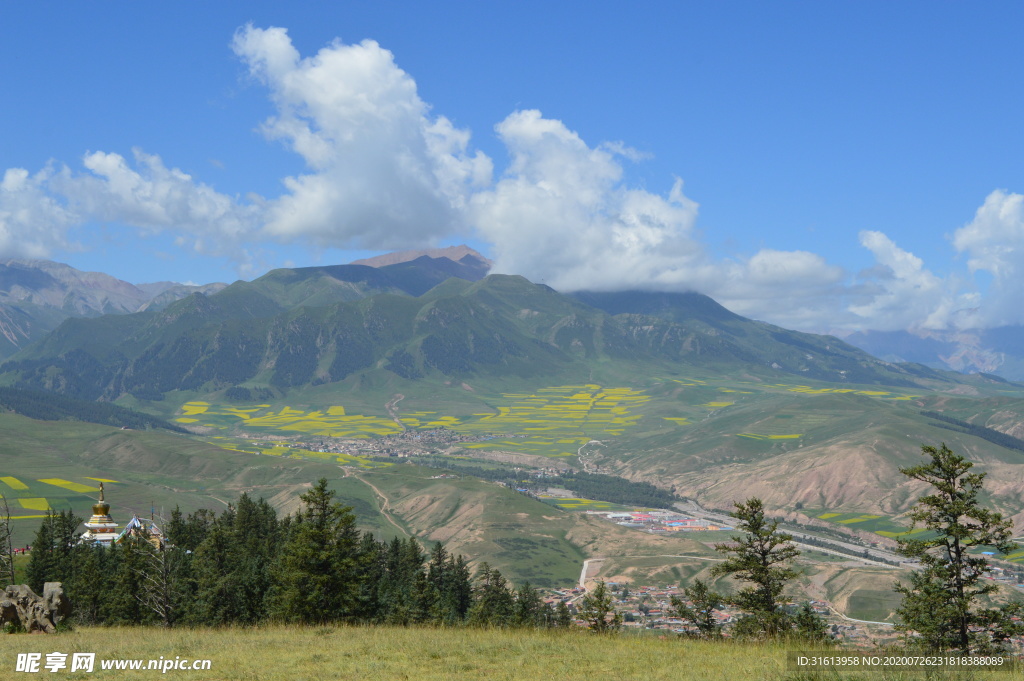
247,566
985,433
610,488
49,406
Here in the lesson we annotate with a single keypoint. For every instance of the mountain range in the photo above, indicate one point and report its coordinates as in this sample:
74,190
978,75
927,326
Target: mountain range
417,319
998,351
37,295
667,388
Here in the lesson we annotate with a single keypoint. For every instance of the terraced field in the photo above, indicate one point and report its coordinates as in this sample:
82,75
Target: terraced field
835,447
557,421
333,421
554,421
30,499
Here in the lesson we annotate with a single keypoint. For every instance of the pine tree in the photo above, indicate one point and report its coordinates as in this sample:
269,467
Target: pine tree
371,573
215,565
257,544
124,603
760,557
529,608
90,586
319,567
701,611
942,601
596,609
810,626
457,591
563,618
52,558
161,581
492,601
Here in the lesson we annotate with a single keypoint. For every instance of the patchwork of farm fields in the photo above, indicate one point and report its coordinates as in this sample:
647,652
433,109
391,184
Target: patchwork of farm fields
29,499
555,421
333,421
878,524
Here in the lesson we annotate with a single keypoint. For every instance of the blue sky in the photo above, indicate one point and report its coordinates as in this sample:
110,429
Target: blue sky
825,166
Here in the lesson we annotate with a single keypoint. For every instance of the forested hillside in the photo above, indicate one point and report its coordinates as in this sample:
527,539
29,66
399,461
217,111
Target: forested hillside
48,406
248,566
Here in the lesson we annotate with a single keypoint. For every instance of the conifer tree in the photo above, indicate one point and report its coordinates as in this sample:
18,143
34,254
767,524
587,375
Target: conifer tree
257,544
456,591
597,611
701,611
810,626
942,601
124,603
529,608
215,566
761,558
52,558
563,618
161,582
371,573
492,601
319,566
90,585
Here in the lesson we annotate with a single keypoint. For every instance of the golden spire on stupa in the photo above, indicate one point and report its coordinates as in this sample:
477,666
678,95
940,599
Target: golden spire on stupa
101,508
100,528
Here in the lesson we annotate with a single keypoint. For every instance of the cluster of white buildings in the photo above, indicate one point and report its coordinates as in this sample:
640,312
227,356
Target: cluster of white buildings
660,521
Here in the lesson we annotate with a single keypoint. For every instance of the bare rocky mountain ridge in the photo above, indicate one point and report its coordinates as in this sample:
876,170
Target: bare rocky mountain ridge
998,351
453,253
37,295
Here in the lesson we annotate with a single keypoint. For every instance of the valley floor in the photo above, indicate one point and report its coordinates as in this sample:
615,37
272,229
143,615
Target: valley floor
379,653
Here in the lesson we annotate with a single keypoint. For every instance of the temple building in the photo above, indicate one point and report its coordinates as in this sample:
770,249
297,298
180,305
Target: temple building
100,528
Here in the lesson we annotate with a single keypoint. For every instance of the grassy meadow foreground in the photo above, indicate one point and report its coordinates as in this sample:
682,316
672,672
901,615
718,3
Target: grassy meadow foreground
389,653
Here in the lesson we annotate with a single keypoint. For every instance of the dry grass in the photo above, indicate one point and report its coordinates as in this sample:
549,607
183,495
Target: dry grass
384,653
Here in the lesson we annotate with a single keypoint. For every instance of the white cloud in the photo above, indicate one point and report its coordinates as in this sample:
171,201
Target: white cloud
796,289
156,198
385,173
900,292
994,243
994,239
32,221
561,214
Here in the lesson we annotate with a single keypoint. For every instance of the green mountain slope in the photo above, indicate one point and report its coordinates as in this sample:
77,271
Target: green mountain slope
59,466
256,335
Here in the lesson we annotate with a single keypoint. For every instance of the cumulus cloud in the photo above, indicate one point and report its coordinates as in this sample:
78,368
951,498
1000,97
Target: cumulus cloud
994,243
156,198
561,214
796,289
994,239
899,290
32,221
385,173
37,211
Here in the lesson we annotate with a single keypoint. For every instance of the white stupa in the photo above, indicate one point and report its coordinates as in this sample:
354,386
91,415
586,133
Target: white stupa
100,528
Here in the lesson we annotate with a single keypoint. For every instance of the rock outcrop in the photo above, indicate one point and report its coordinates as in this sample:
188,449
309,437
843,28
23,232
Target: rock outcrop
21,606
